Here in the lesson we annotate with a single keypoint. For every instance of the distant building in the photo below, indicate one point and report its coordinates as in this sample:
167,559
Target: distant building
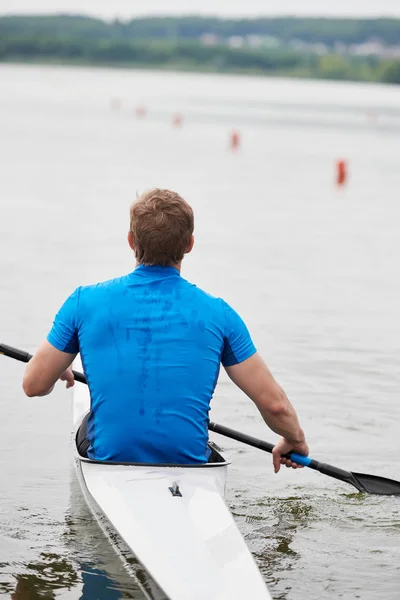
209,39
374,48
255,40
320,49
236,41
370,47
367,49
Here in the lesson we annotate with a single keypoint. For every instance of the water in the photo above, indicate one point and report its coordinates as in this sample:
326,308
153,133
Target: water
312,269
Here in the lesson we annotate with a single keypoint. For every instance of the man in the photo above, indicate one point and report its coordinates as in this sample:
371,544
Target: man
151,346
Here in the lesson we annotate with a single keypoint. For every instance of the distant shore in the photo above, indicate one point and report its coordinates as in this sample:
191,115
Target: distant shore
298,48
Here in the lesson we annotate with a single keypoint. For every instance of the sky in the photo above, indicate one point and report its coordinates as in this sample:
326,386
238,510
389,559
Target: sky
109,9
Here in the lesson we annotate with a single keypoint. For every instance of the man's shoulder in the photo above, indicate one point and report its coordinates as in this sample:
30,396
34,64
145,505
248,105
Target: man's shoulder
196,290
214,303
201,296
103,286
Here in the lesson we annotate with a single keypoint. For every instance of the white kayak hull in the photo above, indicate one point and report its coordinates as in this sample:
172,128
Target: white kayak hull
175,521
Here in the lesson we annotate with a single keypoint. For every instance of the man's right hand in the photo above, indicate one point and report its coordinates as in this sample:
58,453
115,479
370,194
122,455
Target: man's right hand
68,376
284,447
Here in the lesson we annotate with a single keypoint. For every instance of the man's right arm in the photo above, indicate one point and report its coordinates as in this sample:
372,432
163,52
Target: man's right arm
254,378
55,355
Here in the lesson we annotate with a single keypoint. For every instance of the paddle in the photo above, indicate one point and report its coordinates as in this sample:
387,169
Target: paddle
369,484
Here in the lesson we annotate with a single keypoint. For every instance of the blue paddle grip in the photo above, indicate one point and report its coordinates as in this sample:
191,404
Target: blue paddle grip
305,461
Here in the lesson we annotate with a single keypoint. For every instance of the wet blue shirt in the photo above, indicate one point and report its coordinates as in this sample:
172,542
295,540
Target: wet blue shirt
151,345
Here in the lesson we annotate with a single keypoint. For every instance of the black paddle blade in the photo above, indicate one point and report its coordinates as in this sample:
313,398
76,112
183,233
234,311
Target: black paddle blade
367,484
372,484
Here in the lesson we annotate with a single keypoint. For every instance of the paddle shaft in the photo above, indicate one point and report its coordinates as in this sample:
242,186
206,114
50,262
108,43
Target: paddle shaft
25,357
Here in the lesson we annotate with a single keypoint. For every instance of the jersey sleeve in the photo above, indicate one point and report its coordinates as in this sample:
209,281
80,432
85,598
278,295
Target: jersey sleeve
64,333
238,345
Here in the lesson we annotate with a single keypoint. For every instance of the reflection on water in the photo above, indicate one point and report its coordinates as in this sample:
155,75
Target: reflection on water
44,578
96,584
52,574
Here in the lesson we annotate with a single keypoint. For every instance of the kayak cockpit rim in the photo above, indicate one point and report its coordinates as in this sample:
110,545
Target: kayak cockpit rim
217,459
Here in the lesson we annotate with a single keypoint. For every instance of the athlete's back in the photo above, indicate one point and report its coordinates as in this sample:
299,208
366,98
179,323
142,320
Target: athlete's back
151,345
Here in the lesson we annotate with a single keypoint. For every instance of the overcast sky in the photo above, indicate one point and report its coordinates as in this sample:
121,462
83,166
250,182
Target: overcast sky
131,8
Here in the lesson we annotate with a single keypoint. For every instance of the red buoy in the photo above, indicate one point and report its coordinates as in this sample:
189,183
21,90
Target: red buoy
235,140
141,111
341,172
177,120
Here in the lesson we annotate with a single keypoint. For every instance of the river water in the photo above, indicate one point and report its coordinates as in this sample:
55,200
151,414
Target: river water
313,269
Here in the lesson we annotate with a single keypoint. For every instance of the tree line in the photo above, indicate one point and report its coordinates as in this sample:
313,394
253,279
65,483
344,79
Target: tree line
91,41
312,30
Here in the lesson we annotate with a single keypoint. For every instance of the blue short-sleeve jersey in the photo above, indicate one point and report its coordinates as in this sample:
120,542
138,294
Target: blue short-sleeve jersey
151,345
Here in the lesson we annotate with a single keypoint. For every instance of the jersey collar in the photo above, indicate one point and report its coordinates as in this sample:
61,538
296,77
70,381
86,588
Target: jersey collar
156,271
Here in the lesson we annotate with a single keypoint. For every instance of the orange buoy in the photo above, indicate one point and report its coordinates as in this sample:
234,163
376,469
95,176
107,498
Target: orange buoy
141,111
177,120
235,140
341,172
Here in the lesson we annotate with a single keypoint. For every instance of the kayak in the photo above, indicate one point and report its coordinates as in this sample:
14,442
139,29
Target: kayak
174,520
